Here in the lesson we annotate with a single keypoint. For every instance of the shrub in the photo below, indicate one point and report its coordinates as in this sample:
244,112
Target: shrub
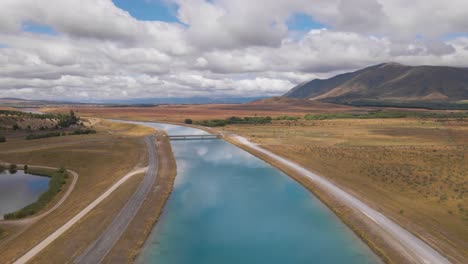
188,121
13,168
2,139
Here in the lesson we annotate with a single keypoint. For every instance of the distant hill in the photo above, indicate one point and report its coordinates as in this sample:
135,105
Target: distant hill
182,100
24,103
389,82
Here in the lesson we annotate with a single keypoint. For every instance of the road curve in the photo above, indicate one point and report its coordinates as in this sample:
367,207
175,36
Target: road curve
415,246
47,241
101,247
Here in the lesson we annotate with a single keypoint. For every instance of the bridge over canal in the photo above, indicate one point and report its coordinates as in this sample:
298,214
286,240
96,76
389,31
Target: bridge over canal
194,137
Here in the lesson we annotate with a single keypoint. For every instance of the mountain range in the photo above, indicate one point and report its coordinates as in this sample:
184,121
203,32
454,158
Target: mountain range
388,82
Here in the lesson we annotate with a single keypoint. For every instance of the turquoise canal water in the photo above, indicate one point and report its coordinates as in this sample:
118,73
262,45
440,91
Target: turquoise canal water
19,189
228,206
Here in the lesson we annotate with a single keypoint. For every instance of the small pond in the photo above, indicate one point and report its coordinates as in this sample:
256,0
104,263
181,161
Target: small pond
19,189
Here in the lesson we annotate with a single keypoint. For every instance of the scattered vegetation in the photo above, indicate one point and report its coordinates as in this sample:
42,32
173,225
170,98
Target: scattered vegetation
58,134
384,114
2,139
188,121
57,180
64,120
286,117
411,104
254,120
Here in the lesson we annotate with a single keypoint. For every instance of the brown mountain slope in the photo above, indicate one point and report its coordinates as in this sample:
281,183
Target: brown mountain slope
389,81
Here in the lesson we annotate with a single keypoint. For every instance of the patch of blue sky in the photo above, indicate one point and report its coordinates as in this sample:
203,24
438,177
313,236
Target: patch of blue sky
456,35
303,22
3,46
149,10
38,28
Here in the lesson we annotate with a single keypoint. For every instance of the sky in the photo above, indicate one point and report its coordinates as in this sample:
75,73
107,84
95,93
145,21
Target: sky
102,49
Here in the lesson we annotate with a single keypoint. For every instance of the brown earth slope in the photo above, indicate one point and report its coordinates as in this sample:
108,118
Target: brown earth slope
389,81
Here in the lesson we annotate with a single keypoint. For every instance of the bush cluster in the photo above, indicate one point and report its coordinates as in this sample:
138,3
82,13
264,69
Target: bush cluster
45,135
13,168
58,134
235,120
286,117
83,132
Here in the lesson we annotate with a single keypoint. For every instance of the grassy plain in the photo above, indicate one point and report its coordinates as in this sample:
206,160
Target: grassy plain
76,240
414,170
99,159
177,113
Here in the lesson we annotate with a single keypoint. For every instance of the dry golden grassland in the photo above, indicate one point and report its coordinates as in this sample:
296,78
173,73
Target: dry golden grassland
99,159
177,113
414,170
76,240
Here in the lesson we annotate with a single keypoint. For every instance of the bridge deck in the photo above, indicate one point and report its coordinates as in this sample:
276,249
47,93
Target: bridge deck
193,137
